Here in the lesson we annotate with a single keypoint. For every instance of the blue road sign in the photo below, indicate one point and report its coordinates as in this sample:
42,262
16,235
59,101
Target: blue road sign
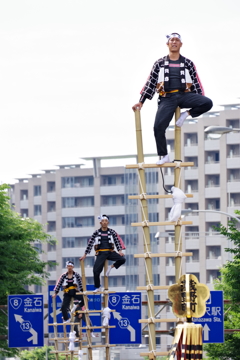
128,308
94,303
213,321
25,320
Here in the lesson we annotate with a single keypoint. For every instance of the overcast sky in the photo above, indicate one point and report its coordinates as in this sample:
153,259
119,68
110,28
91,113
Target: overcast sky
71,71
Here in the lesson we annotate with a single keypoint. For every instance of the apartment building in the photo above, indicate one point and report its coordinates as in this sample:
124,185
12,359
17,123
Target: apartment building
69,199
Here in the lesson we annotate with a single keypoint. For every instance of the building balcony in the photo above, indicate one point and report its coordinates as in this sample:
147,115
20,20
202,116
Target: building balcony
194,199
233,162
214,264
37,200
38,218
191,243
52,255
169,179
77,191
170,270
212,168
53,275
233,138
120,229
212,216
211,144
194,217
213,192
231,209
191,150
51,196
190,174
213,238
78,211
23,204
112,190
78,232
113,210
233,186
169,247
193,266
51,216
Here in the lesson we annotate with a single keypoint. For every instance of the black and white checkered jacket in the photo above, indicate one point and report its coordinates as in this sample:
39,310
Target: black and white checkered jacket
150,87
96,240
62,281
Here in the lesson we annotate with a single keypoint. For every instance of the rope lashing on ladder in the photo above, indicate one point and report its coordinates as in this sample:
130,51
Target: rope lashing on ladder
150,287
140,166
147,254
143,196
151,320
178,254
145,223
177,164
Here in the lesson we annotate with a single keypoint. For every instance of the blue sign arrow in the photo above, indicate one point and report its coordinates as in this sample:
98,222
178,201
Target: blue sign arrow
25,320
128,308
213,320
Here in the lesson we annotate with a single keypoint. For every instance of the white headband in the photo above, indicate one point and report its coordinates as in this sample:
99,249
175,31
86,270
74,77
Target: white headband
69,263
102,217
170,36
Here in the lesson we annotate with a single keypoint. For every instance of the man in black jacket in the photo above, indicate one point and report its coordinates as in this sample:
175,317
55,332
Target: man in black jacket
176,80
104,240
71,282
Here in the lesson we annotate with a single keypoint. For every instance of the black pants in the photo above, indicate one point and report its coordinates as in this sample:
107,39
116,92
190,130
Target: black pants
100,260
66,302
199,104
77,320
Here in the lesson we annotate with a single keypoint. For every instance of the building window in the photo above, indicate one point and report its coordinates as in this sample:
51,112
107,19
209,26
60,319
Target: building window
52,226
153,217
210,227
86,201
51,206
213,252
193,159
151,177
24,213
212,157
51,186
234,199
131,260
111,180
71,242
156,279
70,222
23,194
37,289
170,261
191,232
233,175
233,123
37,190
192,206
213,204
52,246
170,280
212,275
38,247
170,145
130,239
77,181
194,257
52,266
37,210
191,186
212,180
233,151
112,200
118,220
131,218
190,139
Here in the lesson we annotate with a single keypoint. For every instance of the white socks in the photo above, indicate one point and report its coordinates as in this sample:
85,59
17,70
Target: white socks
164,160
98,290
182,118
108,270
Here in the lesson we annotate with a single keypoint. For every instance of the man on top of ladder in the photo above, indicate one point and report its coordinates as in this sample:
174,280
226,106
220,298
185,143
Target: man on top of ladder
103,240
176,80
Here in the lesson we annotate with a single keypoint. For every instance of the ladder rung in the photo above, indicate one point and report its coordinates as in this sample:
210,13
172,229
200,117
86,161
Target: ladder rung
156,196
143,321
166,165
152,356
147,287
176,254
161,223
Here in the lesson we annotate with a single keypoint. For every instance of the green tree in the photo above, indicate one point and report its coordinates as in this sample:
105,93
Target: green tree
230,284
39,354
19,261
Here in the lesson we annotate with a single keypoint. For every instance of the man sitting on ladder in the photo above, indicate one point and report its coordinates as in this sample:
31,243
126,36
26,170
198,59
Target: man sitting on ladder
176,80
103,240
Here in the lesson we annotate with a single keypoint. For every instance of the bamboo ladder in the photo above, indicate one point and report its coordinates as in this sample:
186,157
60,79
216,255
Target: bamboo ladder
89,347
145,224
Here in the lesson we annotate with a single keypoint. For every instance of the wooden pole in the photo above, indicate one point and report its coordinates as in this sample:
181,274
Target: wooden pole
177,183
55,326
147,244
105,305
88,331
